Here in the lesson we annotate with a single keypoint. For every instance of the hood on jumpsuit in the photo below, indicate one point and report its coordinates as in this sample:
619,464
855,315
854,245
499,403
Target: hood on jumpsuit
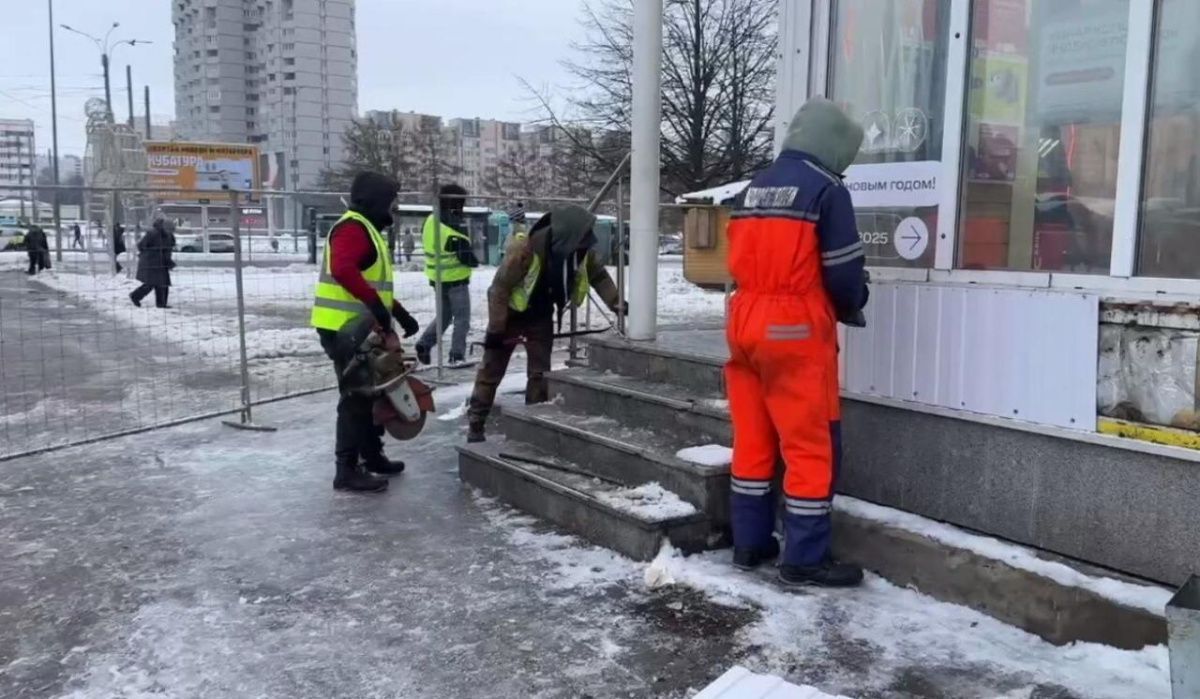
371,194
570,228
822,130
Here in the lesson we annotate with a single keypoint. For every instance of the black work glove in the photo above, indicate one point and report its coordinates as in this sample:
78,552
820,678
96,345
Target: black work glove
621,309
407,322
493,341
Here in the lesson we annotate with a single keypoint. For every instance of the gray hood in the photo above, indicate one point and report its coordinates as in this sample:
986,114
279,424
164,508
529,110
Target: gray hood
823,130
569,229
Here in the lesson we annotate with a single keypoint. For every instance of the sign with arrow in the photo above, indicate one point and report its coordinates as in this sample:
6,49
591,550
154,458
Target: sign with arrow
911,238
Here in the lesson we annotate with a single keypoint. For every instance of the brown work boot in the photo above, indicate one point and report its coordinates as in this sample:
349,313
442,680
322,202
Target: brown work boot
475,433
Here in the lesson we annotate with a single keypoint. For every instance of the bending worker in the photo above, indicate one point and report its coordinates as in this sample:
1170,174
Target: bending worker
355,283
797,260
455,261
545,271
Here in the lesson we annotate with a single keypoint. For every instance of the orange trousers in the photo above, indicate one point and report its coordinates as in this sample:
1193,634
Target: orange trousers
782,382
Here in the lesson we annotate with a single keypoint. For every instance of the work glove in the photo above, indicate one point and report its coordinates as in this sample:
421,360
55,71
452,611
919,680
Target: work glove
621,309
493,341
407,322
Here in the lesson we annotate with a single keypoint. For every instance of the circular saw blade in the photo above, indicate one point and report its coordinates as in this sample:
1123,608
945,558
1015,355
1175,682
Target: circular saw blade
403,431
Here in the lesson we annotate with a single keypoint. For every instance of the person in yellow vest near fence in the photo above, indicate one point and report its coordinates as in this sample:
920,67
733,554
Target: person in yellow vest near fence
544,273
353,296
455,261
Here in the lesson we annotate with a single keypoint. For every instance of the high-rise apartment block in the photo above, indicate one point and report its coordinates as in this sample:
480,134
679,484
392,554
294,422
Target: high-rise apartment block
278,73
18,158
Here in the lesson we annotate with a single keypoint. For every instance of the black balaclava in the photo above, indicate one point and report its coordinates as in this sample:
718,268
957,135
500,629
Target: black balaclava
372,195
452,201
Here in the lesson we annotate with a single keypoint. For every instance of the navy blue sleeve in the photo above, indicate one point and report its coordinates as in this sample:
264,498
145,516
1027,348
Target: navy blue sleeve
842,256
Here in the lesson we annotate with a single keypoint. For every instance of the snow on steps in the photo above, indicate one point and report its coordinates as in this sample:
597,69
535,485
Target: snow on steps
740,683
630,520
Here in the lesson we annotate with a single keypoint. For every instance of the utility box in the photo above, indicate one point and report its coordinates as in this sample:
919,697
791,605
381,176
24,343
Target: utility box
1183,634
706,245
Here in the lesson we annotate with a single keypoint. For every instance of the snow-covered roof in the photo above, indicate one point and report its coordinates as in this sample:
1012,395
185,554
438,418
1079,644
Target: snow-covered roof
717,195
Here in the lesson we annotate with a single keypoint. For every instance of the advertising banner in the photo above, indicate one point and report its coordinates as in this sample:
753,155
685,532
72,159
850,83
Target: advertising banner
202,168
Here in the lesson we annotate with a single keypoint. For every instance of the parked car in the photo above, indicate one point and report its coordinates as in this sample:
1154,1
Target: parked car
12,238
217,242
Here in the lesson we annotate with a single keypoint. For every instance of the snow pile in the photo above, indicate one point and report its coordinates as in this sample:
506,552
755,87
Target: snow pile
707,455
740,683
649,501
1151,599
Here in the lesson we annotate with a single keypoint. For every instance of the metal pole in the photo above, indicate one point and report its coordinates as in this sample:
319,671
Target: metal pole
437,273
114,204
146,93
247,417
129,89
644,169
204,228
617,175
54,136
107,88
20,176
621,253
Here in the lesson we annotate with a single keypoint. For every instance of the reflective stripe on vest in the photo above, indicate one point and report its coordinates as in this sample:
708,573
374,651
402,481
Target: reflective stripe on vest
333,306
453,270
519,300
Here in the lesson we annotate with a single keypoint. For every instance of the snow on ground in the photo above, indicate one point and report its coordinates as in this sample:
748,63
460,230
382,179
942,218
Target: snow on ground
649,501
1149,598
740,683
891,626
707,455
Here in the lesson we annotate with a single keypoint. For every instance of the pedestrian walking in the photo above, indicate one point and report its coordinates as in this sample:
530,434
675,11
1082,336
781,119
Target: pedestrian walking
77,237
798,264
453,264
38,249
408,244
545,272
356,283
118,246
155,262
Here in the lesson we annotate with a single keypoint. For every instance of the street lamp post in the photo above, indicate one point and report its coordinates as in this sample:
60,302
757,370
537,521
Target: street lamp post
106,50
54,136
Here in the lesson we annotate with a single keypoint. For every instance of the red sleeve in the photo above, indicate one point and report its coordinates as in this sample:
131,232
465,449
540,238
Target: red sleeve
351,252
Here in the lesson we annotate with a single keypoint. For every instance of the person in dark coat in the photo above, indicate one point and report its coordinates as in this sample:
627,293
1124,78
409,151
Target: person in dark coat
155,264
77,241
118,236
38,248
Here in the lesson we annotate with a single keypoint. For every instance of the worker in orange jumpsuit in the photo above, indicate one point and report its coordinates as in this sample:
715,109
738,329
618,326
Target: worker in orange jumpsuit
797,260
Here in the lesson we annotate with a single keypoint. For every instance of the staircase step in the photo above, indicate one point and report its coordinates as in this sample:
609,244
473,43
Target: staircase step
593,509
630,455
699,369
665,408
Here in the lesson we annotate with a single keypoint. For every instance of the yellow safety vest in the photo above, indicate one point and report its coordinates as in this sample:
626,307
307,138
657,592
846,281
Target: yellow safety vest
333,306
519,300
453,270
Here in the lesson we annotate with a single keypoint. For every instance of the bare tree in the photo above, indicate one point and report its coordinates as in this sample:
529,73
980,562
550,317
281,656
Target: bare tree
718,70
375,143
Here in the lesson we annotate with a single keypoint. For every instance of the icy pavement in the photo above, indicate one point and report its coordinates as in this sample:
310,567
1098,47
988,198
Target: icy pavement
201,561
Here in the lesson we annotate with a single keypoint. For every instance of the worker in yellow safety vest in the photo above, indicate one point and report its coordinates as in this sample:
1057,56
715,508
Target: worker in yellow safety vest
353,296
451,265
546,271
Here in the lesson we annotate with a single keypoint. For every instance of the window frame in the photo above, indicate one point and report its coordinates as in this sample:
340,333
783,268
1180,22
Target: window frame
813,19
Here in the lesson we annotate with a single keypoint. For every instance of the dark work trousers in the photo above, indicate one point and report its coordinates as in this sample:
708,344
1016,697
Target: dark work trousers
161,294
537,334
357,435
38,260
456,309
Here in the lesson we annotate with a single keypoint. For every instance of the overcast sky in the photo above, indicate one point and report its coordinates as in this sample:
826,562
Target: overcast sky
455,58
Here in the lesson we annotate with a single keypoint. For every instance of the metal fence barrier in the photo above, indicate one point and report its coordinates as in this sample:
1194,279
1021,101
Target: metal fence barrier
79,361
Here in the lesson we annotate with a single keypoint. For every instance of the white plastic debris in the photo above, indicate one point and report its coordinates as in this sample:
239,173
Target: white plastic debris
707,455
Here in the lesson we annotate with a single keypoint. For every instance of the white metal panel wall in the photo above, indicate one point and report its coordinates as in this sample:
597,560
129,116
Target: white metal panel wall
1025,354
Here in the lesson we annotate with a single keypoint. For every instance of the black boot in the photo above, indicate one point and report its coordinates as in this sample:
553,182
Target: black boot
829,573
136,301
475,433
749,559
356,480
380,465
424,356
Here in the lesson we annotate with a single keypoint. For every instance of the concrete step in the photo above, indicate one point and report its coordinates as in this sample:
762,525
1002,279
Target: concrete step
596,510
1061,600
630,455
677,412
702,373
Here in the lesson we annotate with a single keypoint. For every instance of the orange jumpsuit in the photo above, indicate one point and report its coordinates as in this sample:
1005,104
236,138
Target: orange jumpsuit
797,261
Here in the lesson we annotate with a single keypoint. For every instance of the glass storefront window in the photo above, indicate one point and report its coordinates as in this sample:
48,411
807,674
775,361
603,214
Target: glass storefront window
887,69
1045,92
1170,211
